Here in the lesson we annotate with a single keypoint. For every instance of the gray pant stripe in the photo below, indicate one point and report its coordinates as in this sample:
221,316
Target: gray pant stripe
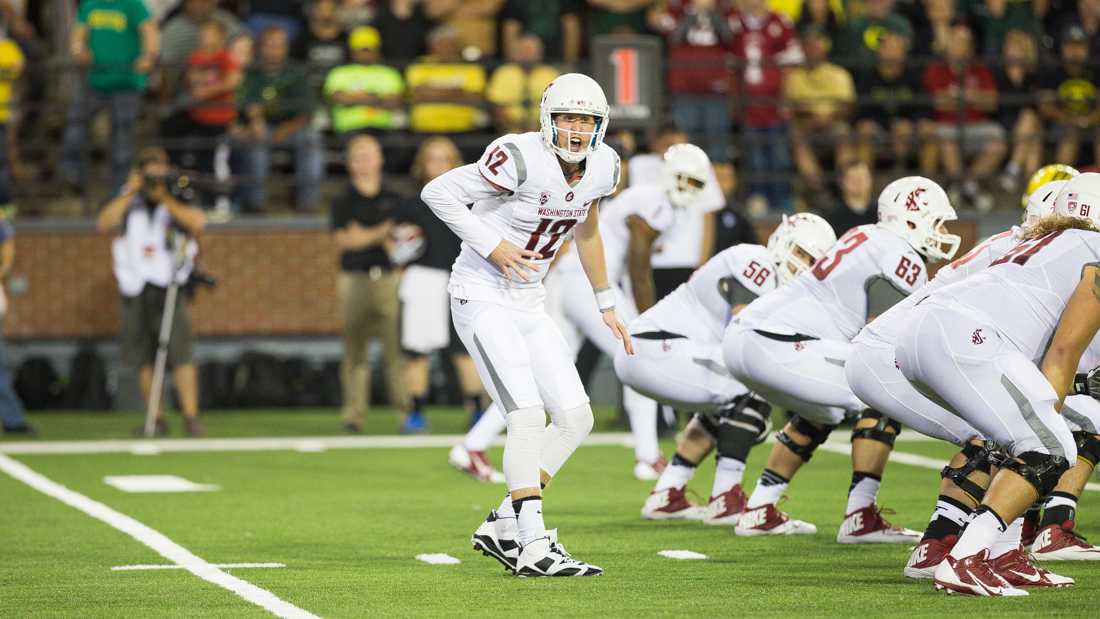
1079,419
506,400
717,368
521,165
1046,437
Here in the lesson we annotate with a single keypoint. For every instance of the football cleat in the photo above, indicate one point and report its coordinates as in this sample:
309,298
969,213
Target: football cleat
973,575
649,471
768,520
1061,543
927,555
475,464
670,504
544,557
726,508
867,526
496,538
1016,567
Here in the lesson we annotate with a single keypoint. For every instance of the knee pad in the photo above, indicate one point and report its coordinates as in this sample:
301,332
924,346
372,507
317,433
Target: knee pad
709,423
522,447
1088,446
979,458
879,432
749,413
817,436
1040,470
567,431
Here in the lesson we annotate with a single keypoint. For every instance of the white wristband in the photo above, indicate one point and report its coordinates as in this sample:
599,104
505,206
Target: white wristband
605,299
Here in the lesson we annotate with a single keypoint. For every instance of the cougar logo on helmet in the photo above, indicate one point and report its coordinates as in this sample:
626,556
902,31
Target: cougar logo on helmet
916,209
911,200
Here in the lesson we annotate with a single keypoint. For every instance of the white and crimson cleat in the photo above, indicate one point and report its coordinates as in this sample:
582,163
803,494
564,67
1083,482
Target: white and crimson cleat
768,520
670,504
1016,567
927,555
973,575
726,508
544,557
475,464
867,526
650,471
1061,543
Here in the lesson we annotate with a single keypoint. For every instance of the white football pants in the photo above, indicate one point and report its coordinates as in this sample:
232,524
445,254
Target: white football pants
965,362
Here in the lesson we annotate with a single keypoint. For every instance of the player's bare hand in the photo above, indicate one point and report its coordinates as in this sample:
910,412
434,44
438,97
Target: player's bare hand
611,319
513,262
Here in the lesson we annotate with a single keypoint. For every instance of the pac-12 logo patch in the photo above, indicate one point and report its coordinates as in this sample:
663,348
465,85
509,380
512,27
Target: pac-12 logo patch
977,337
544,197
569,197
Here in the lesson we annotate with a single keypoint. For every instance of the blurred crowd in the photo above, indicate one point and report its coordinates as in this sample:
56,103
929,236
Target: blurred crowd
973,93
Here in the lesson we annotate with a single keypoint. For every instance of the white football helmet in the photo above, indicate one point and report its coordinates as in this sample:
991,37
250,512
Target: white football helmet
805,231
916,208
573,93
686,173
1041,201
1080,197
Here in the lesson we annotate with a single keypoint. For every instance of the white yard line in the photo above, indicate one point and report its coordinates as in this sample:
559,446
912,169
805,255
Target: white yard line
911,459
153,539
292,443
222,566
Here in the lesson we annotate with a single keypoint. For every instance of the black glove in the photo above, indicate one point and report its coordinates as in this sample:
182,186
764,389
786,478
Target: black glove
1088,383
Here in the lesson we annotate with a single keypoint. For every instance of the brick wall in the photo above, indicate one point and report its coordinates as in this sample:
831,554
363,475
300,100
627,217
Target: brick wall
272,281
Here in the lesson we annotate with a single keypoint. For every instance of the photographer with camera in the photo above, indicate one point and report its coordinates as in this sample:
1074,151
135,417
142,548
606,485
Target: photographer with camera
154,247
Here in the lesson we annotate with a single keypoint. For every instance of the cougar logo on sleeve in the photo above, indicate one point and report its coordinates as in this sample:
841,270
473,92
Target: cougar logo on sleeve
977,338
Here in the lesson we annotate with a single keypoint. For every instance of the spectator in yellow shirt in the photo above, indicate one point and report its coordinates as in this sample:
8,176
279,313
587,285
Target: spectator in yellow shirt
447,94
11,67
515,89
820,96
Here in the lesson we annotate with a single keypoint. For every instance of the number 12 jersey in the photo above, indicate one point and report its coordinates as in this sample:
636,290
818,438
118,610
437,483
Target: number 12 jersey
533,207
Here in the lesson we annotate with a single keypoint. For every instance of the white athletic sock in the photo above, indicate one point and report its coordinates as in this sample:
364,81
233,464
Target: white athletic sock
1009,540
951,512
675,475
727,474
863,491
643,425
1058,500
488,427
769,488
980,534
505,510
531,526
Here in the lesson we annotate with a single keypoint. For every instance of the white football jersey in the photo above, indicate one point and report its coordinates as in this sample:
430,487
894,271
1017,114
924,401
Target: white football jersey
699,308
534,208
680,246
829,301
1023,293
888,327
650,202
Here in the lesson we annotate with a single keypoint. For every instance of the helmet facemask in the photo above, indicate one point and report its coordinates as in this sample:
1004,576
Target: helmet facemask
579,144
684,190
938,243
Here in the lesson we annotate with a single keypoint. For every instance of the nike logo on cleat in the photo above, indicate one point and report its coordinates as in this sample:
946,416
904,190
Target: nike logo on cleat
1027,577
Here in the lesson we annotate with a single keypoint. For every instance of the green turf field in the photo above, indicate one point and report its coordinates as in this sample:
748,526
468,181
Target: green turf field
348,524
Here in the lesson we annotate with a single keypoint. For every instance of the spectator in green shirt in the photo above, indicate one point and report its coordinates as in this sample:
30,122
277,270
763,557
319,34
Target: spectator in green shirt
365,94
118,41
276,108
860,38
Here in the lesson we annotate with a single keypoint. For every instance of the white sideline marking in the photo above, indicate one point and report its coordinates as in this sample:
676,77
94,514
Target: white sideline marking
223,566
910,459
155,483
683,555
295,443
440,558
155,540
